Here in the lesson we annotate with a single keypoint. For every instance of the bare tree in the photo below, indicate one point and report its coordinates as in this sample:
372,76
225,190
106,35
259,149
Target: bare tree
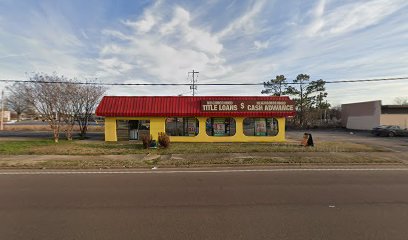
16,100
62,102
44,94
89,95
401,101
68,101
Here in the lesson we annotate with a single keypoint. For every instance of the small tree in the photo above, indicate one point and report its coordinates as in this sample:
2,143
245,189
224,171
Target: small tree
401,101
67,108
275,87
87,98
307,95
16,100
44,94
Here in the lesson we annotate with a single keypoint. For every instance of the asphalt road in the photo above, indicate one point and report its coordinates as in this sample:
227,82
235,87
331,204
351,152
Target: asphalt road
285,204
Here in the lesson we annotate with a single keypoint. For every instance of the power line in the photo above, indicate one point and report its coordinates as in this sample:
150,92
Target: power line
369,80
196,84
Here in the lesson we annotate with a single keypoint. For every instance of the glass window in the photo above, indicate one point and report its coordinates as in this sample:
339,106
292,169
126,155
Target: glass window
132,129
122,130
261,127
179,126
220,127
122,124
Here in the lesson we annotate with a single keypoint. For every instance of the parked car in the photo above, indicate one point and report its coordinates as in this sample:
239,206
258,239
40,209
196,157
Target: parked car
389,131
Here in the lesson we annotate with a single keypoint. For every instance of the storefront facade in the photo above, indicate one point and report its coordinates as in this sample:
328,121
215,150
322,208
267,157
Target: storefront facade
196,119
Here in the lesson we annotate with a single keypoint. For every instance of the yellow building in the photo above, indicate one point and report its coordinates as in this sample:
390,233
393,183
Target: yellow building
196,119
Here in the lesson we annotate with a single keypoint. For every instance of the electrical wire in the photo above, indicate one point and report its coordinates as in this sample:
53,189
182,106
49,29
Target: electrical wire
198,84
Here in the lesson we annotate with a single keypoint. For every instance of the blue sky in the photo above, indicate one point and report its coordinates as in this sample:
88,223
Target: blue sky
226,41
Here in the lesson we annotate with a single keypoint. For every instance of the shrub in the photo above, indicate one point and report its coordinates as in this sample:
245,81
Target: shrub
146,139
164,140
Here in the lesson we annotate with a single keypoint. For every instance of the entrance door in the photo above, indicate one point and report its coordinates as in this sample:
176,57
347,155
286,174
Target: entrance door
133,130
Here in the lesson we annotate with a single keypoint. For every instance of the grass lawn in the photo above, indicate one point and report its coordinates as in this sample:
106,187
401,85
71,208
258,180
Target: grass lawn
22,147
78,147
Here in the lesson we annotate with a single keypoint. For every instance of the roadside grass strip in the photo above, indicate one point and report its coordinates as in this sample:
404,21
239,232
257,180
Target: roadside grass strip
168,162
78,147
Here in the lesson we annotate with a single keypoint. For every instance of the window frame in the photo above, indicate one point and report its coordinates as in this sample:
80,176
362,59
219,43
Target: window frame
184,126
253,128
212,126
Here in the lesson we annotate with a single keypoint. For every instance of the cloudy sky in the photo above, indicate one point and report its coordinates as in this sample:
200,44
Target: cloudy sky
227,41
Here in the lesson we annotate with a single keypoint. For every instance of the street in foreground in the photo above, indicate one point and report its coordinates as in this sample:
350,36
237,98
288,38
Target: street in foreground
257,204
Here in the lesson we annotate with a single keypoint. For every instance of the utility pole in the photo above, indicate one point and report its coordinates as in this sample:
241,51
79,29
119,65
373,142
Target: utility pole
322,117
301,103
280,88
2,111
193,86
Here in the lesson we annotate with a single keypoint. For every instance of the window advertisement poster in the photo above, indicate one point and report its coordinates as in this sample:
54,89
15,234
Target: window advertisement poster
260,127
191,126
219,126
270,127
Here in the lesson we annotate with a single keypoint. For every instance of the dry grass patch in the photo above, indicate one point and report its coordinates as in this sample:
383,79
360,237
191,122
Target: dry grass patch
274,161
97,163
78,147
265,147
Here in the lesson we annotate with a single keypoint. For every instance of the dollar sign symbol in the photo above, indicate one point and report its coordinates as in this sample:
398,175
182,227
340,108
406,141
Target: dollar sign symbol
242,105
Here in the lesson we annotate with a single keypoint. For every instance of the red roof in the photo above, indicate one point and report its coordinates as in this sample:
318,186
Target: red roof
187,106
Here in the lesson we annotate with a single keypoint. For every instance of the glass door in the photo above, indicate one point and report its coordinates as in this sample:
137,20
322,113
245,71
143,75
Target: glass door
133,129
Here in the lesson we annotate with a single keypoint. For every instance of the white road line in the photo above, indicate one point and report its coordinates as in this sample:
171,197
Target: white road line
42,172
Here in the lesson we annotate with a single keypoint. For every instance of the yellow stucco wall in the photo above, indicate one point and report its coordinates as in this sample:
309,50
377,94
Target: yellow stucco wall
110,129
157,124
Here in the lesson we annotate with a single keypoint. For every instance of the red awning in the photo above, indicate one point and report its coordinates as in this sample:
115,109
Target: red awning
188,106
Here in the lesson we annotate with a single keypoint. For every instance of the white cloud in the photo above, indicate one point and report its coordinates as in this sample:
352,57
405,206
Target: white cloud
116,34
245,23
114,66
170,51
180,26
143,25
180,19
318,22
261,45
175,46
147,21
46,42
84,34
110,49
351,17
